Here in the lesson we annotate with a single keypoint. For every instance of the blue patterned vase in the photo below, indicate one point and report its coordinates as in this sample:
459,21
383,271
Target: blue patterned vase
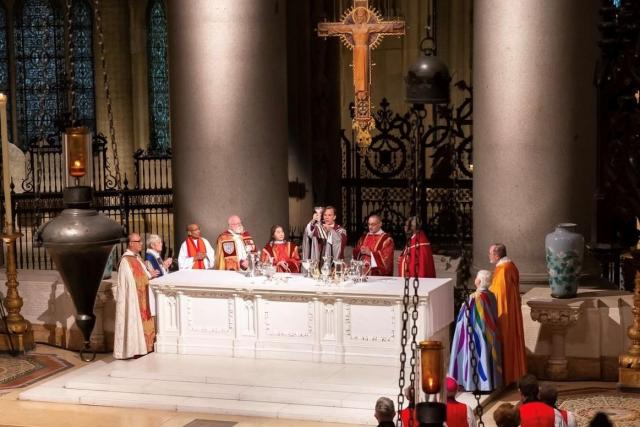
565,249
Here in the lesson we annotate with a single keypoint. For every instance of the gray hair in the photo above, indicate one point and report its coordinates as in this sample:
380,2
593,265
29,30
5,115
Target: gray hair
385,411
485,278
152,238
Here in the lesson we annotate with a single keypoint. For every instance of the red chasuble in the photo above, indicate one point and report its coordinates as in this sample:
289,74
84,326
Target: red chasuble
456,414
421,248
226,253
537,414
192,250
381,246
142,288
278,252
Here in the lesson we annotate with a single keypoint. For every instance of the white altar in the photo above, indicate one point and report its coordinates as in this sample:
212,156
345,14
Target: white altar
227,314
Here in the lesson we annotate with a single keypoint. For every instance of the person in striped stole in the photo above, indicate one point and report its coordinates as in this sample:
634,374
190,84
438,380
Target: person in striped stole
282,253
135,330
481,313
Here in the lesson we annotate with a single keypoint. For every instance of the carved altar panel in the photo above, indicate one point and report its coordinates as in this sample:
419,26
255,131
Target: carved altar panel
225,313
210,315
286,318
368,322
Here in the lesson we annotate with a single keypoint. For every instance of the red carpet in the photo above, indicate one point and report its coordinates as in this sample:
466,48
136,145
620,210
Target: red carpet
27,369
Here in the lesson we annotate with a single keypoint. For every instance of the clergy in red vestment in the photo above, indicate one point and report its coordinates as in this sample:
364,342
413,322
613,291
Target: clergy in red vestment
196,252
375,248
233,246
282,253
533,412
505,286
458,414
418,251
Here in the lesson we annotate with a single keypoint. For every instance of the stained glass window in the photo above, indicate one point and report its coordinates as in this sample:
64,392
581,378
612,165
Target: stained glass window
83,63
158,78
39,54
4,61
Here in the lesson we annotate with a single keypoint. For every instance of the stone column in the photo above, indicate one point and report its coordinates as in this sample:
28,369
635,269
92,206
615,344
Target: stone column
558,315
534,125
228,114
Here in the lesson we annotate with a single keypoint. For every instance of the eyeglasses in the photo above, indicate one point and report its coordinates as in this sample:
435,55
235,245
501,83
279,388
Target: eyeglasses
134,241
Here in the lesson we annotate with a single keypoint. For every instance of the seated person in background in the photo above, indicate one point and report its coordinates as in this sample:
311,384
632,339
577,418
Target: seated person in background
153,260
549,395
506,416
233,246
375,248
534,413
196,252
481,311
417,252
458,414
282,253
385,412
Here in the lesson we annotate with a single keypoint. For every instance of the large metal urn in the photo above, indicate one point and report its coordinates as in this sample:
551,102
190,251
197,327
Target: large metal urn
79,241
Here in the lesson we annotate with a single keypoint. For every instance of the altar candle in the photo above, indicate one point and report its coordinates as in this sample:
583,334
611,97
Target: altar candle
6,175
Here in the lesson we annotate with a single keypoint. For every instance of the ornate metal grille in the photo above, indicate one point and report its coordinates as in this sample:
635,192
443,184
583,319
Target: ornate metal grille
393,175
158,79
38,20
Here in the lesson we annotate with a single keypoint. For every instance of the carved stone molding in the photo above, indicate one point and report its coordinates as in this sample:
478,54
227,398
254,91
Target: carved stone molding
558,315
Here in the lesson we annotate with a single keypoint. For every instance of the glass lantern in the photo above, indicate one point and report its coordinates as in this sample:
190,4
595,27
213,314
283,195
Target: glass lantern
431,367
78,157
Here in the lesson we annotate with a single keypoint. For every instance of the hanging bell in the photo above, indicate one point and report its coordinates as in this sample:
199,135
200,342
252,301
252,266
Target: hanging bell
427,81
80,239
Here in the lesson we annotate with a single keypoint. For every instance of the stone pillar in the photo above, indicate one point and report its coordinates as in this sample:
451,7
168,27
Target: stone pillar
228,114
534,125
559,316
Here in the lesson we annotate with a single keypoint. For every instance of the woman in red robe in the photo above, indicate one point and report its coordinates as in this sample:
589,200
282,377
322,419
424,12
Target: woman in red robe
417,252
283,254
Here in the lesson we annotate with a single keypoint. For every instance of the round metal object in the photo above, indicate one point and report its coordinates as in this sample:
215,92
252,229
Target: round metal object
427,81
79,242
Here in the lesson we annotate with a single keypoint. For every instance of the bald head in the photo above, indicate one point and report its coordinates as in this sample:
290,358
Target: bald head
235,224
134,243
374,223
193,230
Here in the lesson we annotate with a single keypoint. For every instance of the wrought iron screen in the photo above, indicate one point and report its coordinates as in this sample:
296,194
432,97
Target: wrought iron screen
418,162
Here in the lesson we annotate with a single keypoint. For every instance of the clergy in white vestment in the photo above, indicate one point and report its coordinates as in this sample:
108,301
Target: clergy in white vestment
196,253
135,330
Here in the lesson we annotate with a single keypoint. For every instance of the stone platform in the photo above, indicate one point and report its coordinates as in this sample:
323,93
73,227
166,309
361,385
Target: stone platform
223,385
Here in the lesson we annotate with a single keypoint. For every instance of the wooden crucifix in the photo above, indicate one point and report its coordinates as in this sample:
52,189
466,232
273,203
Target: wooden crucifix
361,30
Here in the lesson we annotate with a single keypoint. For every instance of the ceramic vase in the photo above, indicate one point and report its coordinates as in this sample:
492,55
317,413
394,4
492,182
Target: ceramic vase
565,251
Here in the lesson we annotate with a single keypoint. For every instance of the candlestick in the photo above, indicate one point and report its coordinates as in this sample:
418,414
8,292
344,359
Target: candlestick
6,173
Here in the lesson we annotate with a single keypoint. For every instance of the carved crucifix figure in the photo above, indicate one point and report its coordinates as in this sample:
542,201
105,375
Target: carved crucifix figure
361,29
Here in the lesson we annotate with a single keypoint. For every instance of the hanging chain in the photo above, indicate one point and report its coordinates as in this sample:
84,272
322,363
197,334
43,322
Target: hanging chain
464,271
107,93
403,346
71,72
474,364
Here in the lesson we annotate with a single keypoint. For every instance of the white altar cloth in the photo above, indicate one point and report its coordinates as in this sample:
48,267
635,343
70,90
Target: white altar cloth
227,314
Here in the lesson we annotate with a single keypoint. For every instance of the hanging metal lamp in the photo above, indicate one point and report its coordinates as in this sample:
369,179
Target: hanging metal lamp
80,239
428,78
